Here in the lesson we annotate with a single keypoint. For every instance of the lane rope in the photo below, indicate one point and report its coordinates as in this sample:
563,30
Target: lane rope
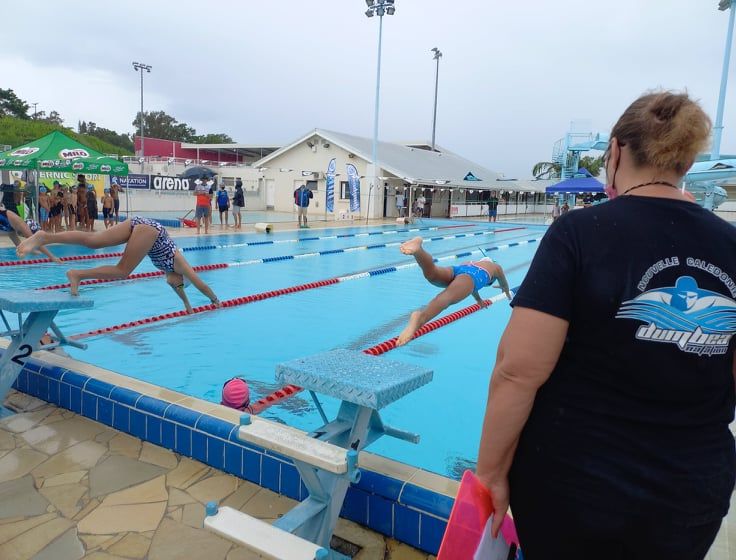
287,391
231,245
235,302
221,266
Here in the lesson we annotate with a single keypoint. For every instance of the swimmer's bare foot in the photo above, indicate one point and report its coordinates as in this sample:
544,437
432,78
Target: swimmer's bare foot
408,333
74,279
31,244
411,246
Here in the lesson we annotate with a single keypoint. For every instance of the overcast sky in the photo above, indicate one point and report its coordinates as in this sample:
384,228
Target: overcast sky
513,75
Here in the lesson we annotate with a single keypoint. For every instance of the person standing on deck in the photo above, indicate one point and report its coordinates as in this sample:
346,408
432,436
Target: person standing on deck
607,423
302,196
238,204
492,207
115,193
203,208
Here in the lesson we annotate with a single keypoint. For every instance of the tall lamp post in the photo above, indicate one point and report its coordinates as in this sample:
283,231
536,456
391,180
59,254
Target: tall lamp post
437,56
723,5
140,67
34,109
379,8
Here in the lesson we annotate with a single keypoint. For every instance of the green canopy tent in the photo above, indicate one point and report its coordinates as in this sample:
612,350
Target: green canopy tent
58,152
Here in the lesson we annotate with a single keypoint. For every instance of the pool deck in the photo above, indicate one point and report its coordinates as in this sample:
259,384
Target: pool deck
73,488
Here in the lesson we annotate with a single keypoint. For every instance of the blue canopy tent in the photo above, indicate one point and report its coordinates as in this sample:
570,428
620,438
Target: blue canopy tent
583,182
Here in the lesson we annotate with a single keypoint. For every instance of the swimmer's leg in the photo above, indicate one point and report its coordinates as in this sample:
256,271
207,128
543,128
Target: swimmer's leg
460,288
116,235
437,275
182,266
140,242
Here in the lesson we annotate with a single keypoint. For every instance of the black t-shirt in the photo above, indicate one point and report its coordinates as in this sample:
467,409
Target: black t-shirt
634,417
492,203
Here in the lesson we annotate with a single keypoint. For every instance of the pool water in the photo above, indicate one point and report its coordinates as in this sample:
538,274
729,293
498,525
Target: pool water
196,355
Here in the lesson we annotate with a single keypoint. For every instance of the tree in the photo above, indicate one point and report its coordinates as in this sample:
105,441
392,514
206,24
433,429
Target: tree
546,170
11,105
157,124
594,165
219,138
109,136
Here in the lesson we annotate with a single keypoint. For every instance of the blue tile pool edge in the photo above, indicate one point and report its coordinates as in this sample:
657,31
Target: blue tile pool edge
392,507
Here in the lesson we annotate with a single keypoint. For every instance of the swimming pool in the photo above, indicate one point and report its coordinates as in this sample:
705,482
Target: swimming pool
195,355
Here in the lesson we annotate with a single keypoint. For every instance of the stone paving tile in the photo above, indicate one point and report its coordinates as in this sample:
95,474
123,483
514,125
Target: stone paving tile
20,462
66,478
77,457
20,497
117,472
52,438
66,498
213,488
157,456
147,492
9,531
26,545
128,517
126,499
132,545
174,541
66,547
123,444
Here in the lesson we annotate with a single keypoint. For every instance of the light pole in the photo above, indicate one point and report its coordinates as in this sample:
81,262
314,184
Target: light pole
34,109
437,56
379,8
139,66
715,152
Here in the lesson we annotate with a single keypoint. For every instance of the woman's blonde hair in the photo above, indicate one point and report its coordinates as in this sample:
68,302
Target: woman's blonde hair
665,130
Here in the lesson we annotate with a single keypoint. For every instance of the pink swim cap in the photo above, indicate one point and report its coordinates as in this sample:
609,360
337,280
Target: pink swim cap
235,393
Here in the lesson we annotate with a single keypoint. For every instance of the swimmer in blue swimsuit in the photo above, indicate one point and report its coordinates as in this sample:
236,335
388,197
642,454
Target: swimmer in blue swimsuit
458,282
141,236
16,227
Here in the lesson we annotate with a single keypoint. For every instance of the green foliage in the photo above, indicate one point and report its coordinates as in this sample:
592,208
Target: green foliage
546,170
110,136
11,105
157,124
213,139
16,132
593,164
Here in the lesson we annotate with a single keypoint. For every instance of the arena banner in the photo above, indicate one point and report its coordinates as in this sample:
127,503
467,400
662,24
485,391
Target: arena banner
67,179
132,181
331,167
168,183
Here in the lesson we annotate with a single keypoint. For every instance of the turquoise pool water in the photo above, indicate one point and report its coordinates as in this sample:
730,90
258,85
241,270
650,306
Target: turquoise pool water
195,355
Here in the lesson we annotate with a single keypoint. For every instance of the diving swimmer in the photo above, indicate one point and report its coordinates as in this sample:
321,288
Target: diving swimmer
16,227
141,236
458,282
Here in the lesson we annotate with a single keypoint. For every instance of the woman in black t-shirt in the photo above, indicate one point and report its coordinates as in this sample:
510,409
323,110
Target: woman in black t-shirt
607,423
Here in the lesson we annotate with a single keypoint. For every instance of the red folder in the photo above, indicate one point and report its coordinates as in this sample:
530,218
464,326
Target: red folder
468,534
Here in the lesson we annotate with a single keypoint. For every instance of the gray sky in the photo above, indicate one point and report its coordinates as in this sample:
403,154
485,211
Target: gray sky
513,76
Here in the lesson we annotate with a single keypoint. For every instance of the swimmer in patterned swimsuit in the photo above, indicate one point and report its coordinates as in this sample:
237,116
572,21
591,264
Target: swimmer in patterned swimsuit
15,226
458,282
141,236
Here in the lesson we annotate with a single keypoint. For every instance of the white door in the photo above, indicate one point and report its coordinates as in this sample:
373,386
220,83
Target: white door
270,194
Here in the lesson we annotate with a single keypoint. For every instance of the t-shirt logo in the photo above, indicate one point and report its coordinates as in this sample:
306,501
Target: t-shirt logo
697,321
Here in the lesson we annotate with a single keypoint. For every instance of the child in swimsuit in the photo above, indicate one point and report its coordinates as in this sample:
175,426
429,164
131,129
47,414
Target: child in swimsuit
141,236
458,282
16,227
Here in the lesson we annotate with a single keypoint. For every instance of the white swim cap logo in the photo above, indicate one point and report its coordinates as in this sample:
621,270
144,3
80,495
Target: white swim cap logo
24,152
73,153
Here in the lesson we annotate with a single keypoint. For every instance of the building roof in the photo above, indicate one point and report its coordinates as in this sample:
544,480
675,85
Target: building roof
414,165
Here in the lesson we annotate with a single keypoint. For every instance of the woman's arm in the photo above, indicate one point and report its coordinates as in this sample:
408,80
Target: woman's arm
527,354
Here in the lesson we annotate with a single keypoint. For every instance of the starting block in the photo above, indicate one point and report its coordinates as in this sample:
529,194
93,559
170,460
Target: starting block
40,309
327,458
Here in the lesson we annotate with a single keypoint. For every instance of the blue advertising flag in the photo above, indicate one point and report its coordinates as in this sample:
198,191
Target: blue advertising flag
331,185
354,186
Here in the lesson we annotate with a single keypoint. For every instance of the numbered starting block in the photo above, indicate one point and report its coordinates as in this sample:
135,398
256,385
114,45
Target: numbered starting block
40,309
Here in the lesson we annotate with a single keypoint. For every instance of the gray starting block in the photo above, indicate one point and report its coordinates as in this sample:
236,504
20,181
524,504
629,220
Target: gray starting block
41,308
327,458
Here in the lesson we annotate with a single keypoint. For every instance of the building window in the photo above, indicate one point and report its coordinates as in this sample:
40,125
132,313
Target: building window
344,190
311,185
